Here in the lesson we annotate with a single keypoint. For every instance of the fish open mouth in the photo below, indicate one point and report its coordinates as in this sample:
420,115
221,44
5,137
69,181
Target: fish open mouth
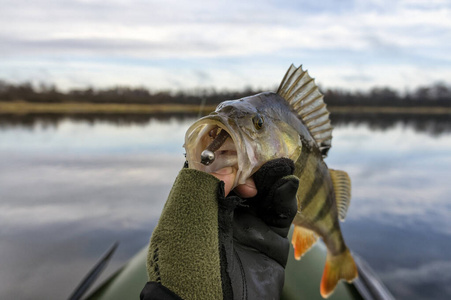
220,137
210,146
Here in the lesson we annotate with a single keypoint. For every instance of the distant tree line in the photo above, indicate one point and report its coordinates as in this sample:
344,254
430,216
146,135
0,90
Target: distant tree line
438,94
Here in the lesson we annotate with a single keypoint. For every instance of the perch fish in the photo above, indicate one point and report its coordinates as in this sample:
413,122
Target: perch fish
293,123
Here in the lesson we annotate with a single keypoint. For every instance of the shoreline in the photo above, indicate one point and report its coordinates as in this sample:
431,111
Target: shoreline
23,108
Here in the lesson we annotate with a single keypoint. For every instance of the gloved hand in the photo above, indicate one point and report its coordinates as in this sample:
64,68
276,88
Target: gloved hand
259,249
208,246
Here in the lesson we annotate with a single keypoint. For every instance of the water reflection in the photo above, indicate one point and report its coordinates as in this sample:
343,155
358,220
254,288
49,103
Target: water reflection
53,120
431,124
434,124
60,212
70,187
399,219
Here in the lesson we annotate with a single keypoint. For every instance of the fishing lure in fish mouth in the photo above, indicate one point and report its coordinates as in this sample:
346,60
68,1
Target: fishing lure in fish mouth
293,123
208,155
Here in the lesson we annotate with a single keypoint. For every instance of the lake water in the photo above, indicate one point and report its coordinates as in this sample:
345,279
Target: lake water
69,188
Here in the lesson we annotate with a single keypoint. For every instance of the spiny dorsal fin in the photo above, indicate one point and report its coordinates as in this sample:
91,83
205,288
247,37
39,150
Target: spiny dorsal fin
342,188
303,95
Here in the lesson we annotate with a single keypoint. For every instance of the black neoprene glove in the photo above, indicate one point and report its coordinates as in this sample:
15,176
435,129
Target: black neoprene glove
207,246
259,251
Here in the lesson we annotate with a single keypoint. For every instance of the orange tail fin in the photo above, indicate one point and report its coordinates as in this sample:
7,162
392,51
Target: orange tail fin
337,267
302,240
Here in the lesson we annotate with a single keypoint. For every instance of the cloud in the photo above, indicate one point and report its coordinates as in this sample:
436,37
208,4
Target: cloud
347,37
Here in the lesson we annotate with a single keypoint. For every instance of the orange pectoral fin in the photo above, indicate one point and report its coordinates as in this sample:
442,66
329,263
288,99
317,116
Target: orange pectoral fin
337,267
303,239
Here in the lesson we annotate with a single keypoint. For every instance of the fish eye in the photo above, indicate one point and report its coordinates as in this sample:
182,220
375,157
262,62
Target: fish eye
258,121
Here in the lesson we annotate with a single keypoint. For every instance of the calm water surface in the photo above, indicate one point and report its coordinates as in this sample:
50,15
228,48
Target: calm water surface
69,189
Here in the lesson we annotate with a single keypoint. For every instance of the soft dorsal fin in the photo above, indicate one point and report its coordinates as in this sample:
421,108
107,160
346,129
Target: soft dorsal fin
342,188
304,97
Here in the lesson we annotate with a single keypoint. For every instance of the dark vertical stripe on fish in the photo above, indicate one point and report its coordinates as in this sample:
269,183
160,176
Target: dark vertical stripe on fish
302,161
334,233
324,211
332,229
316,185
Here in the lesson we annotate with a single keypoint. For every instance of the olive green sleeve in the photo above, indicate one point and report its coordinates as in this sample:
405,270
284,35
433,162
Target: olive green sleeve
183,253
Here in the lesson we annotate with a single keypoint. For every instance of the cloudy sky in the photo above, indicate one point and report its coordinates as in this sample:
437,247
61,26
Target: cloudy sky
168,44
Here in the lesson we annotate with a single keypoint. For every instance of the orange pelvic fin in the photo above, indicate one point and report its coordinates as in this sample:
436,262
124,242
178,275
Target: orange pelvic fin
303,239
337,267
